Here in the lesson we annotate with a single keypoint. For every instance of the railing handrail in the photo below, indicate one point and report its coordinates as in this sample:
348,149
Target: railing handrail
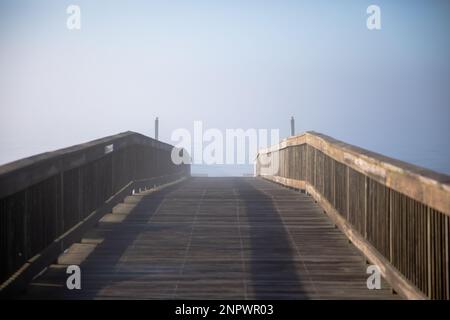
395,213
421,184
22,173
47,201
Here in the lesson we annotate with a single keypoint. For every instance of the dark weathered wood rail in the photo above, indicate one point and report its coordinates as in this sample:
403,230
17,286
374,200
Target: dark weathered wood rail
47,201
396,213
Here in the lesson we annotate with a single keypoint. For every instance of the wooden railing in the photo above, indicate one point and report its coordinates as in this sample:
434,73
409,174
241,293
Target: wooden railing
396,213
46,201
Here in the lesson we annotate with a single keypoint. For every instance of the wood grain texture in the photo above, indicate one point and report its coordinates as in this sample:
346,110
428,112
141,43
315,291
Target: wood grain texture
423,185
398,213
44,196
213,238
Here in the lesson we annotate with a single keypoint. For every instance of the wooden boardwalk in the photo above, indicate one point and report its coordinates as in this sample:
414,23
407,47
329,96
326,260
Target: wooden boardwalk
213,238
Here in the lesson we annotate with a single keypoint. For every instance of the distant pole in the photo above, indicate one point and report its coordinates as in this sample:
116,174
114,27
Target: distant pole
156,128
292,126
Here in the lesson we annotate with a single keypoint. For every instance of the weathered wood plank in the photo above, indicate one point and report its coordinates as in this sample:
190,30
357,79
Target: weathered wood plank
214,238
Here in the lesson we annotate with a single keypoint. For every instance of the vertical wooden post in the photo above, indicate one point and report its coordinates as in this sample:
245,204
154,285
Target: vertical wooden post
347,187
26,222
391,227
333,171
315,168
306,164
429,251
447,266
366,196
61,210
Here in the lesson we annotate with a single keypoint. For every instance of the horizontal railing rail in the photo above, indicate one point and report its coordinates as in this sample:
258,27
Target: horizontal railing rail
396,213
46,196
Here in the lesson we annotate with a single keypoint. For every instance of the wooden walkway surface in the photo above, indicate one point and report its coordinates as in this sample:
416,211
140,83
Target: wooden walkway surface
213,238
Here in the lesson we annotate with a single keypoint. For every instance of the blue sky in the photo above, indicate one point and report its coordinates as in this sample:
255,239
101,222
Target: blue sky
231,64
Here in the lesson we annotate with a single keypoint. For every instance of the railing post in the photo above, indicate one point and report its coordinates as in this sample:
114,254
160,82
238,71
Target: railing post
429,252
315,168
347,188
60,223
366,202
447,267
292,126
306,164
333,175
391,228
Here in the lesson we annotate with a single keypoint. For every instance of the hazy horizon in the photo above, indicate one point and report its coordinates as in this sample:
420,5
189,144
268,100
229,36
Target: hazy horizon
230,65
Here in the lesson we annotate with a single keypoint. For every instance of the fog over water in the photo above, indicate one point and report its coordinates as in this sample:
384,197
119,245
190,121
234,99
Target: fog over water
230,64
